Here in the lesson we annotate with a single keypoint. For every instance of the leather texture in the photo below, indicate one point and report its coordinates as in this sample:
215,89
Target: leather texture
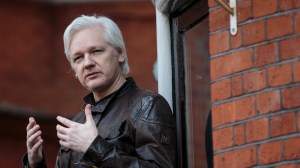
136,129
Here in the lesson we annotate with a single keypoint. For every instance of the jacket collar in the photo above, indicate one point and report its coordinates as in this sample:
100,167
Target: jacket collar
102,104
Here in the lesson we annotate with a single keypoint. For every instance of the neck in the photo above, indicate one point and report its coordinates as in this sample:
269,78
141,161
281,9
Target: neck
112,88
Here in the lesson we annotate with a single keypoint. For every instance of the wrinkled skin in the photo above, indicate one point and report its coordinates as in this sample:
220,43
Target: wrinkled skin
74,135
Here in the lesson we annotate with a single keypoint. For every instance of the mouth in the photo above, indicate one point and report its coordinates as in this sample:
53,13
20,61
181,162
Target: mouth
91,75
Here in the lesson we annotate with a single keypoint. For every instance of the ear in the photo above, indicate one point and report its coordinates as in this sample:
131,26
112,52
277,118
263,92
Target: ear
121,56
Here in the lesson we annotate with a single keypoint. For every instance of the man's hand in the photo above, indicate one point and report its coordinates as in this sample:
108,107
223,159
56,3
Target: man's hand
75,136
34,143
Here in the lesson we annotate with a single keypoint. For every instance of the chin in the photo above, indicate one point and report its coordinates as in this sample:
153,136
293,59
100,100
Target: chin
99,87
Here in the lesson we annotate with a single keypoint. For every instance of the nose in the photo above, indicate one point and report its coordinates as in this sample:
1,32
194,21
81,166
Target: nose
88,61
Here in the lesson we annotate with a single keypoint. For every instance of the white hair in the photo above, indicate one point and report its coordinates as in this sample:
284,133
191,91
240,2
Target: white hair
112,35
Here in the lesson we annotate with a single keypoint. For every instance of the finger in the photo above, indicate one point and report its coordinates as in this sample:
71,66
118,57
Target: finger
61,129
88,114
31,119
66,121
37,145
33,130
37,140
33,139
64,143
62,136
31,123
39,137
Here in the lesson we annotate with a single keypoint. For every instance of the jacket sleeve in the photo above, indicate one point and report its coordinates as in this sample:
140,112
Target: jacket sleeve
153,128
25,163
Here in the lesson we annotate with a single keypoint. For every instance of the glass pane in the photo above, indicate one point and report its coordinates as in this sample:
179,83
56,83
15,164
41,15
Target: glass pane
197,90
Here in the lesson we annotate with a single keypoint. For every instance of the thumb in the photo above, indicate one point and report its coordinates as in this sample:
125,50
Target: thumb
88,114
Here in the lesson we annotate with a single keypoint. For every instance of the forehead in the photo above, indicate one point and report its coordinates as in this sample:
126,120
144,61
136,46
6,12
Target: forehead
87,37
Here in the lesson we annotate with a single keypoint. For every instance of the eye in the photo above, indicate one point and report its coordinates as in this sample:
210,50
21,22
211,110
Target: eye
97,51
77,58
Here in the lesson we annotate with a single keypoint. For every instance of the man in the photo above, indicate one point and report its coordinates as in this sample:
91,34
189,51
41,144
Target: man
121,125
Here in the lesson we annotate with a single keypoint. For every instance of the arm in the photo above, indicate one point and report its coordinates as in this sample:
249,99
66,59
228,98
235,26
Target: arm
153,131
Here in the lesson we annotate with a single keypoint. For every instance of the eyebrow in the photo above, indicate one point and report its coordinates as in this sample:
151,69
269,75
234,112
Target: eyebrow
89,50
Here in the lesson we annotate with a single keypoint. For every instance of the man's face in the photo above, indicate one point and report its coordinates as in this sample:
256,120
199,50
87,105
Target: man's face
95,62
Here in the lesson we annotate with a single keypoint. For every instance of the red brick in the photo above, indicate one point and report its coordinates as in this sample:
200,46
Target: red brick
283,124
286,5
244,11
231,63
296,71
212,3
254,32
257,130
297,3
236,40
263,8
298,119
291,97
218,19
239,135
268,102
280,75
220,90
237,85
233,111
297,22
221,114
279,26
219,42
254,81
290,48
222,138
265,54
270,152
290,165
245,157
291,148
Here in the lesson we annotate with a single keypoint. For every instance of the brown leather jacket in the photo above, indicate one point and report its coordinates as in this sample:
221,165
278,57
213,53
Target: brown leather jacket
136,129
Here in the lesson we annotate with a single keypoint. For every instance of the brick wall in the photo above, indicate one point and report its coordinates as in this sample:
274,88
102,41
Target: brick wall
256,84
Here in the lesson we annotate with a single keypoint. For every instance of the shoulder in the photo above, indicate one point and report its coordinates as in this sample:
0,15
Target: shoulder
147,94
151,107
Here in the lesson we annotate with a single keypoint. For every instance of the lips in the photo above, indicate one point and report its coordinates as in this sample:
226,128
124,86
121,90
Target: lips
91,74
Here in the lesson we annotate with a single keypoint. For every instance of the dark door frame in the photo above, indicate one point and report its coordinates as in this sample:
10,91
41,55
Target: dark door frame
185,17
